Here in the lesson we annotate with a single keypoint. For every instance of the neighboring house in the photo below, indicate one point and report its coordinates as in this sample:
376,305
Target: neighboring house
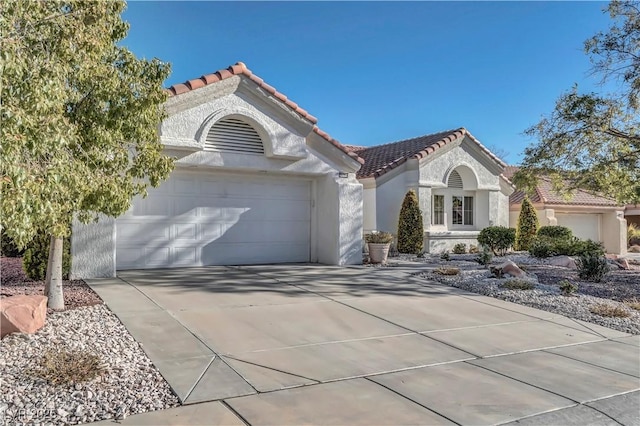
632,214
255,182
458,181
589,216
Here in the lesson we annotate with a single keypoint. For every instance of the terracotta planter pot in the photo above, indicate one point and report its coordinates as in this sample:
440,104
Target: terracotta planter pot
378,252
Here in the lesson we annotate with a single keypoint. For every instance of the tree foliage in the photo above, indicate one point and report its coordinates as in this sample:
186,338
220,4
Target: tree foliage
410,226
592,140
527,225
79,116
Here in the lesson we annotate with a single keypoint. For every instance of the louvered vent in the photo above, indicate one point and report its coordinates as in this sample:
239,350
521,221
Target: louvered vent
233,135
455,181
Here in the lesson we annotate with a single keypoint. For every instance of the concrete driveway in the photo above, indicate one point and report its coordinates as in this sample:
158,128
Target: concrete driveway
309,344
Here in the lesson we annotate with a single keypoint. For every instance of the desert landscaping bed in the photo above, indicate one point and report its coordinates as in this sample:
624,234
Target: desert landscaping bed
609,303
125,382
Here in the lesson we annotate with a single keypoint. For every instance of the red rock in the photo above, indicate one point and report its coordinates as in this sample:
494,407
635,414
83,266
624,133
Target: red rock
512,269
22,314
563,261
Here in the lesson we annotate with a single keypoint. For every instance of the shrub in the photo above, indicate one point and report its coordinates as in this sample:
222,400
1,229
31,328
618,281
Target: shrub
473,249
62,367
633,234
592,267
498,238
379,238
8,247
459,248
36,257
567,288
633,304
527,225
561,232
611,311
517,284
544,246
447,271
445,256
484,257
410,227
541,248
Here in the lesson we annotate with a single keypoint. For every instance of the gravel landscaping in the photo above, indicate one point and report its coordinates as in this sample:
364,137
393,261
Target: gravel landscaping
620,286
127,382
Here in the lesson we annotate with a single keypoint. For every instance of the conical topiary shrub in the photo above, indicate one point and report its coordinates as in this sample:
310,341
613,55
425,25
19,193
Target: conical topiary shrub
527,225
410,228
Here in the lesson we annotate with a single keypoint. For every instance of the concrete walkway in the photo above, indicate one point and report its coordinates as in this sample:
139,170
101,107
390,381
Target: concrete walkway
294,344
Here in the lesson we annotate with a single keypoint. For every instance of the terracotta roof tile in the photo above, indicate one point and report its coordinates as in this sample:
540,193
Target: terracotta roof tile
380,159
545,194
241,69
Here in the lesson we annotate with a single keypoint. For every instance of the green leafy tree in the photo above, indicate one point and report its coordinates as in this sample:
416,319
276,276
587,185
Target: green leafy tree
592,140
410,227
527,225
79,121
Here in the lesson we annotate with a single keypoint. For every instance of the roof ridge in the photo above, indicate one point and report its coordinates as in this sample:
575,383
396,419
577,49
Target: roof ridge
411,139
241,69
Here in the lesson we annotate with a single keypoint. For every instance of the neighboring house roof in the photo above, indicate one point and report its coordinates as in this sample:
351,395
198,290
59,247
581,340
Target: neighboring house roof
545,194
380,159
241,69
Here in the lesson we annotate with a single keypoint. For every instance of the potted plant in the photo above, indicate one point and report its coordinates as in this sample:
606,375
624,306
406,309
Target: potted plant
379,243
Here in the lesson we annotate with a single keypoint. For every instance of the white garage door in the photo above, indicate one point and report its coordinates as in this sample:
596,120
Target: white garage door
584,226
196,219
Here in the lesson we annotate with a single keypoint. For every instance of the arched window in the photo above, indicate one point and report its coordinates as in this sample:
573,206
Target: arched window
455,180
233,135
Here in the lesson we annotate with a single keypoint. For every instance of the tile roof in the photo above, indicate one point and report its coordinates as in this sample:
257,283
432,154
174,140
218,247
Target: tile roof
380,159
241,69
545,194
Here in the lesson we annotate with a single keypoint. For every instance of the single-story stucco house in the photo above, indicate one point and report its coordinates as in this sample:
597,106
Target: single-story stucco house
458,181
256,181
589,216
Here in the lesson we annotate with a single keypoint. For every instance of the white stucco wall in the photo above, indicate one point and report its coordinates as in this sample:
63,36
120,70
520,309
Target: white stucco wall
291,149
481,178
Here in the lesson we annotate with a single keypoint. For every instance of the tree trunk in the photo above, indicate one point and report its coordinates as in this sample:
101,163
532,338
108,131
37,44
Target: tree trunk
53,283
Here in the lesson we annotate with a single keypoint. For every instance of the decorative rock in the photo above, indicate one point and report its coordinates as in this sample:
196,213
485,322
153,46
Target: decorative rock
22,314
563,261
509,268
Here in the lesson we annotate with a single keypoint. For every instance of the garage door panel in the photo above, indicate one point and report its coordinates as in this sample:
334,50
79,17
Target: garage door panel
196,219
254,253
583,226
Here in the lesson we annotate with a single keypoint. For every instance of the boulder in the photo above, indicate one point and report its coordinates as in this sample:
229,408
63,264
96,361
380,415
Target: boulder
563,261
508,268
22,314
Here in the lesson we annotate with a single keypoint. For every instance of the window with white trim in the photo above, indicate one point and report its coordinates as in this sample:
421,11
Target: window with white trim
461,210
438,210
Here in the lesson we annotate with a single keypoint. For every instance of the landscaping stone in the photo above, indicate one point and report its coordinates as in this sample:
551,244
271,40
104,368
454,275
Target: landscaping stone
22,314
563,261
510,268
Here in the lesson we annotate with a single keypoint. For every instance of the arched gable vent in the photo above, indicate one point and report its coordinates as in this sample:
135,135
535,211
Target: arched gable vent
233,135
455,181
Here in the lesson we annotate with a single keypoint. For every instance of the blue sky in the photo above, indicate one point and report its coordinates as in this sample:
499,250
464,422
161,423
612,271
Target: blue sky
376,72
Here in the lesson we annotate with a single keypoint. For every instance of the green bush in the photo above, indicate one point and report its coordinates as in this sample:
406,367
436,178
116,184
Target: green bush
9,248
527,225
518,284
592,267
445,256
460,248
498,238
555,232
567,288
379,238
473,249
543,246
633,234
484,257
36,257
410,227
